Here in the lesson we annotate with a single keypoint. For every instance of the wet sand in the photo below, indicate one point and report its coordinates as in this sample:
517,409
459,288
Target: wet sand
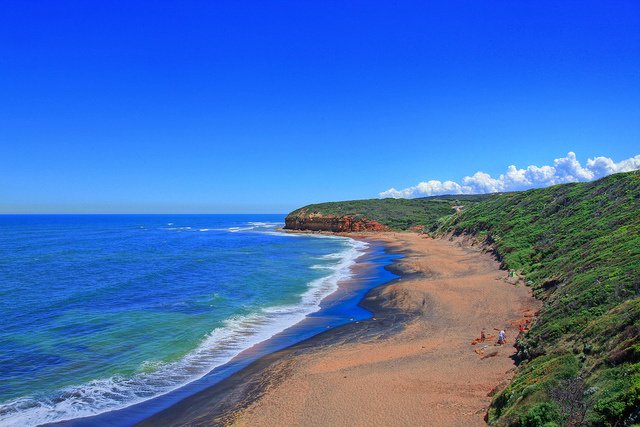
411,365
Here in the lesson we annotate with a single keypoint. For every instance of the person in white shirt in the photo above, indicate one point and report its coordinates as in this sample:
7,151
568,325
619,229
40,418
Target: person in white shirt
501,337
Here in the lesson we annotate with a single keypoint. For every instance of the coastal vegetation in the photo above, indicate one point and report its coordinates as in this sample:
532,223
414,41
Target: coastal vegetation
396,214
577,246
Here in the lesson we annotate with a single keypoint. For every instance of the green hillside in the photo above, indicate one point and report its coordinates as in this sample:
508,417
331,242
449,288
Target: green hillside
397,214
578,247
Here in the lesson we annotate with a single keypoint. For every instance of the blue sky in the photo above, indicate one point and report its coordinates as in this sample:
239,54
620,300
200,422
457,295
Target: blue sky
266,106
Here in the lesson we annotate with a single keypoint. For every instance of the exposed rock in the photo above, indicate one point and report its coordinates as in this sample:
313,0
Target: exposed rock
339,224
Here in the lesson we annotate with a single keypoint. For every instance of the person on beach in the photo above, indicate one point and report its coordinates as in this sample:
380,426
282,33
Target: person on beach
482,337
501,337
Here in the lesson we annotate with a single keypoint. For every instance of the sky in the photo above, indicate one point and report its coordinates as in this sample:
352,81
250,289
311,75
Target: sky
267,106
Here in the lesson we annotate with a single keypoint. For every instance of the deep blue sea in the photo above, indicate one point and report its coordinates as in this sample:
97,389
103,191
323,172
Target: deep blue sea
101,312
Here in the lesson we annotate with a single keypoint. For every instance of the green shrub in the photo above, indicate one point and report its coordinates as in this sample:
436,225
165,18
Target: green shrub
539,415
620,399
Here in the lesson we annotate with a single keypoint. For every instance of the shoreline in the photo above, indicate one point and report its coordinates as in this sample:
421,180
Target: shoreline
225,397
411,364
340,307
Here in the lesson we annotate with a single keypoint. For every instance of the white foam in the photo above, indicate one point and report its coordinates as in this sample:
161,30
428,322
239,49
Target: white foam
236,229
266,224
155,378
281,233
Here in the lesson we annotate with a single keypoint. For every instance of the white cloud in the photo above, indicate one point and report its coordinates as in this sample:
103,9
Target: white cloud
603,166
570,170
566,169
427,188
482,182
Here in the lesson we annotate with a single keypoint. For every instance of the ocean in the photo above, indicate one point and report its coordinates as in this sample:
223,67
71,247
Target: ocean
101,313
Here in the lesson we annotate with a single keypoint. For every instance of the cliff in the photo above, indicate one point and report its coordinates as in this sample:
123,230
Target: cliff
371,215
334,223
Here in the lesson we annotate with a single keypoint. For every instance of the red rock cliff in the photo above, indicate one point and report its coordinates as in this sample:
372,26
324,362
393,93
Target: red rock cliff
318,222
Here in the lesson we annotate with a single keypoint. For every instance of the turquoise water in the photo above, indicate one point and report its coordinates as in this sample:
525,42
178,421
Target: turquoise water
100,312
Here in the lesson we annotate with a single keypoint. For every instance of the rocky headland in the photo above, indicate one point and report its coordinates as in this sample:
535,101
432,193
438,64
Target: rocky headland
333,223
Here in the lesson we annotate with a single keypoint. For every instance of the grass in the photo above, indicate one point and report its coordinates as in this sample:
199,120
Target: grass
397,214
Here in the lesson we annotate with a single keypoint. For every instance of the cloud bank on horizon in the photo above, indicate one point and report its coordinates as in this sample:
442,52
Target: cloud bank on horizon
566,169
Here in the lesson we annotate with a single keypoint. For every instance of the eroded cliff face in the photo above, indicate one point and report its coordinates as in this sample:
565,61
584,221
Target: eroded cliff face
343,224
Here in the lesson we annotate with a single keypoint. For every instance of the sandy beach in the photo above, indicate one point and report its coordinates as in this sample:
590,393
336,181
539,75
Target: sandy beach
412,364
